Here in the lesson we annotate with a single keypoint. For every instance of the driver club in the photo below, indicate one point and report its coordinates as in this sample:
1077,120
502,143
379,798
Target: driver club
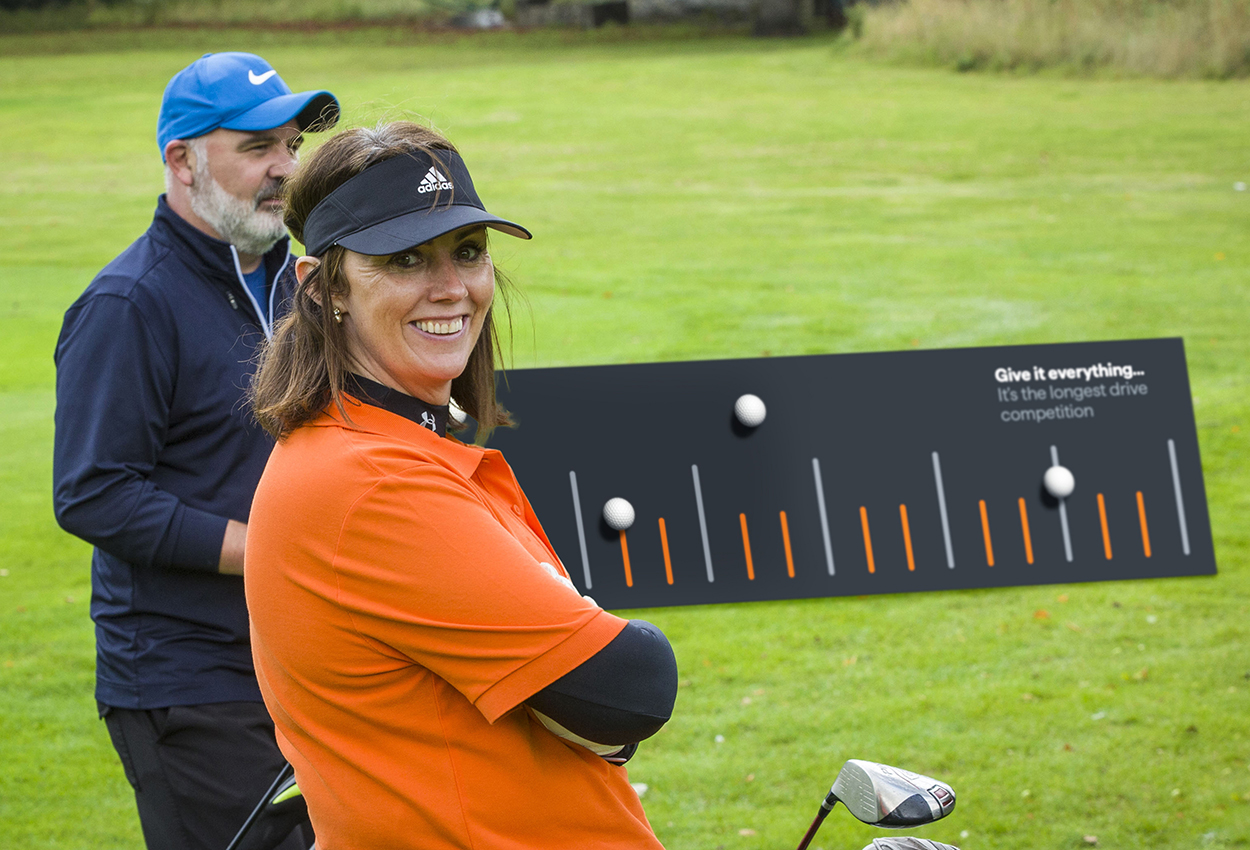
880,795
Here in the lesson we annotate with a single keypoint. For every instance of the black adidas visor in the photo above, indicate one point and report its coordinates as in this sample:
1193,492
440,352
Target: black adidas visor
399,203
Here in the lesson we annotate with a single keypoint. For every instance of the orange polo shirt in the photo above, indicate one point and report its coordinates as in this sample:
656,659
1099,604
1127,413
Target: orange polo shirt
404,603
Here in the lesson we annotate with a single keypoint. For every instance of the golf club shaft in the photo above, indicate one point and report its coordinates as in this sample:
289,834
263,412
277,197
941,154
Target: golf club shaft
283,774
826,807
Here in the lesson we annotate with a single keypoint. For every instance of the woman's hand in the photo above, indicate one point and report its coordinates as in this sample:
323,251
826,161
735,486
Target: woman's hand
614,753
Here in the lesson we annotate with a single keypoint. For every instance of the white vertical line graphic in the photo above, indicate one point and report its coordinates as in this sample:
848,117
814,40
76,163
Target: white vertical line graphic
581,532
946,525
1180,501
824,518
1063,510
698,498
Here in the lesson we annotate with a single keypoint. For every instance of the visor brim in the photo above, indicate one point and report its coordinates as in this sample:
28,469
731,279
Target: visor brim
417,228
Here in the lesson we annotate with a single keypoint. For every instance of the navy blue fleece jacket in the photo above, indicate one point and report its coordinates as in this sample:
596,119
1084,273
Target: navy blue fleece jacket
155,450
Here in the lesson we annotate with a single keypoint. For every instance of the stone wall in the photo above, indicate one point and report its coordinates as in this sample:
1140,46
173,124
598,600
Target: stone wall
593,14
652,10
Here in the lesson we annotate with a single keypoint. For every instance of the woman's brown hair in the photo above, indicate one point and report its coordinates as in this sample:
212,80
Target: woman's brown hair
306,365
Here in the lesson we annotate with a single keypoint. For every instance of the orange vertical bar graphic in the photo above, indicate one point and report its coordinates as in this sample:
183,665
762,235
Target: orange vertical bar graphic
785,537
1024,525
985,529
668,562
1145,532
629,576
911,558
863,520
1102,518
746,547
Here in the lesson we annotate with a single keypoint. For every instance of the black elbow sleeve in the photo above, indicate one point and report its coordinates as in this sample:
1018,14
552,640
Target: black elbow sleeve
621,695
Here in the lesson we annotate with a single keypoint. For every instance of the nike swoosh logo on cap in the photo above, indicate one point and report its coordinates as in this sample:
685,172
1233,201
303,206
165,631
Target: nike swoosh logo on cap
257,80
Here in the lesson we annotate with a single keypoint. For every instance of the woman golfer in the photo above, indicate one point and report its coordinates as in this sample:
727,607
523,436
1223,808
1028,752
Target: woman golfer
435,678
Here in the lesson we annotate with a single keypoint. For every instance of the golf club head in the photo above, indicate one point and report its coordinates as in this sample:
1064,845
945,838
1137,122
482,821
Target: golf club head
907,842
891,797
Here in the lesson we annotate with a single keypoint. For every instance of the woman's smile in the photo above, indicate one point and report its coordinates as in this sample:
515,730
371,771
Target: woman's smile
442,328
412,318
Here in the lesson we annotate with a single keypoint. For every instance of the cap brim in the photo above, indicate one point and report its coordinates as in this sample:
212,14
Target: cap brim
417,228
318,110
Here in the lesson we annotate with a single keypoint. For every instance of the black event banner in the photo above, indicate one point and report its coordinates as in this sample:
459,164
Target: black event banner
870,473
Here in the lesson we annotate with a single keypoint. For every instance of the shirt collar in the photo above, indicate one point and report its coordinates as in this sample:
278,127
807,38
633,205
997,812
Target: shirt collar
429,416
365,415
214,254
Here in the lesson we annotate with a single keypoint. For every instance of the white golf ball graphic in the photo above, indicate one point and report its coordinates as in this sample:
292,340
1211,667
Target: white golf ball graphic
750,410
618,513
1059,482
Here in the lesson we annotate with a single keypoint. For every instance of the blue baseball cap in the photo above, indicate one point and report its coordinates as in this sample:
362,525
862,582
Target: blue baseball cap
237,91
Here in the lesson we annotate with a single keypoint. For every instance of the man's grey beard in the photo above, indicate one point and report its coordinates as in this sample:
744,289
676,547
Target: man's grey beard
249,229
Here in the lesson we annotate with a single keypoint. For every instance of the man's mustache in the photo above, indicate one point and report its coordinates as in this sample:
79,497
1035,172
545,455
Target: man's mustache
269,192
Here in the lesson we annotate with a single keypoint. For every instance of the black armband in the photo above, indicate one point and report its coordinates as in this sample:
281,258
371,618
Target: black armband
622,694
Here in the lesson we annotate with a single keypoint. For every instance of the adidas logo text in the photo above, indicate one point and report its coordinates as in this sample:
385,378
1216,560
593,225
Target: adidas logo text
433,181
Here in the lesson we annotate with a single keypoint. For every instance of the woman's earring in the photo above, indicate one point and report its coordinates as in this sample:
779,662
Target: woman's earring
338,316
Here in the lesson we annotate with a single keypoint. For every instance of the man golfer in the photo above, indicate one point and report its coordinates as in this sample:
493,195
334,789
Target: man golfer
156,459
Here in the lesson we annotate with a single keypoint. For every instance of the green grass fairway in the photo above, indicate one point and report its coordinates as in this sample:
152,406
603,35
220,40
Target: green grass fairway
715,197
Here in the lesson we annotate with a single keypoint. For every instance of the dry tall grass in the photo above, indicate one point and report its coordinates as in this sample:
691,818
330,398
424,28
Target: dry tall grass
1157,38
